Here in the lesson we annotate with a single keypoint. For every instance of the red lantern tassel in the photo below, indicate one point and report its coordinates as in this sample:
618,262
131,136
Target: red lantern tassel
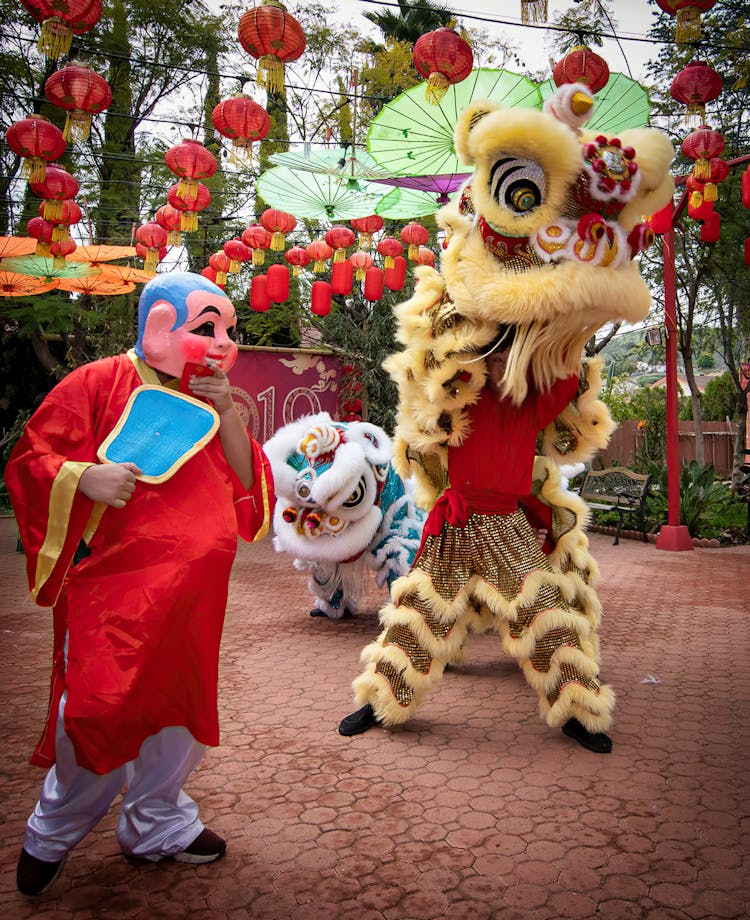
702,169
259,256
151,261
437,87
695,114
271,73
174,237
187,188
189,221
60,232
77,126
55,38
52,209
688,27
35,169
278,241
533,11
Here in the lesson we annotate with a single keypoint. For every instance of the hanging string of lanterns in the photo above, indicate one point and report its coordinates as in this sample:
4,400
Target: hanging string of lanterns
273,36
694,86
190,161
61,20
57,186
688,14
38,142
244,122
81,93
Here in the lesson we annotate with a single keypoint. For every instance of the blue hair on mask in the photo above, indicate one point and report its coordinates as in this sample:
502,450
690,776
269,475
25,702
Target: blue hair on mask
174,287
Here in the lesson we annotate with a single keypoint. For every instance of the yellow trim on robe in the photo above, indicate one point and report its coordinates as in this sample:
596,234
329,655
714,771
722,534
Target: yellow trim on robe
61,499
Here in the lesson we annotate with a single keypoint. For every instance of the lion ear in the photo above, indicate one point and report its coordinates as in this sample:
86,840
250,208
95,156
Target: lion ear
467,122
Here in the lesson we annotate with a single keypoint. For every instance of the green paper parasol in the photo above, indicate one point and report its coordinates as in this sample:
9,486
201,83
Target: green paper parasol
316,195
406,204
411,137
341,162
42,267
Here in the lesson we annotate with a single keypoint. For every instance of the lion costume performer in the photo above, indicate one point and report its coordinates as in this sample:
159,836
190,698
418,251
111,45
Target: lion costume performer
341,506
539,255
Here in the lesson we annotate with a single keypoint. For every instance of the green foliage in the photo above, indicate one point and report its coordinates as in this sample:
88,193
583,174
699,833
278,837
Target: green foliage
719,399
706,503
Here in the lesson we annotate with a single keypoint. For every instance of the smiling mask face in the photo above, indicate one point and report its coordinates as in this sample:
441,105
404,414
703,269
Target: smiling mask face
183,317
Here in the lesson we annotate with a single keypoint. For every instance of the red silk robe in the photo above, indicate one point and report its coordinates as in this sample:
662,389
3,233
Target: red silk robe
144,611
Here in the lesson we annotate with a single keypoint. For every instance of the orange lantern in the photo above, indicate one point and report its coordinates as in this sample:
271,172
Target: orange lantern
360,261
258,239
220,262
278,223
442,57
298,257
273,36
688,14
243,121
694,86
81,93
366,227
414,235
191,161
61,20
319,252
38,142
189,205
339,238
424,256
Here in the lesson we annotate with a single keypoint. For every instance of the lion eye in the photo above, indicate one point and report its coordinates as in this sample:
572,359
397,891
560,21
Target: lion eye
517,184
357,495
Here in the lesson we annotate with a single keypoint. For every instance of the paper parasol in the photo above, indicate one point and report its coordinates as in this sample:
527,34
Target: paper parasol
13,284
315,195
411,137
406,203
439,188
96,254
623,103
341,162
16,246
103,285
42,267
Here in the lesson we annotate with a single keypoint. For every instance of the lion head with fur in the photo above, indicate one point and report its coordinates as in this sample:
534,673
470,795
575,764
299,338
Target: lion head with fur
542,240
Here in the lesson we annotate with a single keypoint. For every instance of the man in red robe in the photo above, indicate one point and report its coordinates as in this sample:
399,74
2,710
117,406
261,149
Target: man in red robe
136,565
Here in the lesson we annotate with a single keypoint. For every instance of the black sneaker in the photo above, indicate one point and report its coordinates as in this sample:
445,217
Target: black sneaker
597,742
206,848
33,876
358,721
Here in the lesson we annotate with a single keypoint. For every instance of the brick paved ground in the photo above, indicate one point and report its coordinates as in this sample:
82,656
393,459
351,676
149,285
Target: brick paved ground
472,810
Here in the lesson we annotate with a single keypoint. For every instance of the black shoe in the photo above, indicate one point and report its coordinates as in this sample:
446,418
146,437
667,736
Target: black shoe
597,742
318,613
358,721
206,848
33,876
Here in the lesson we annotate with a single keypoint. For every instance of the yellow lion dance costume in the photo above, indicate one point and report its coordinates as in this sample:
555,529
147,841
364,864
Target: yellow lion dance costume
539,255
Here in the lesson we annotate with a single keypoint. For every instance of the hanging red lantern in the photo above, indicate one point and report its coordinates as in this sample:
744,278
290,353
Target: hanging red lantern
60,250
41,230
389,247
319,252
746,187
699,209
694,86
702,145
414,235
69,214
259,299
171,219
360,262
711,229
273,36
278,283
189,205
258,239
342,278
38,142
191,161
57,186
374,283
582,65
719,172
320,298
153,237
688,14
81,93
340,238
143,252
425,256
220,262
533,11
61,20
442,57
366,227
396,275
278,223
237,252
209,273
244,122
298,257
661,221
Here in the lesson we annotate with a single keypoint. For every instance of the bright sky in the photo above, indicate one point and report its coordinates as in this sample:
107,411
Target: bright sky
503,18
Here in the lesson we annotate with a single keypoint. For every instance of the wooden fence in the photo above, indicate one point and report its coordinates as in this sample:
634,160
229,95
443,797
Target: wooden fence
718,444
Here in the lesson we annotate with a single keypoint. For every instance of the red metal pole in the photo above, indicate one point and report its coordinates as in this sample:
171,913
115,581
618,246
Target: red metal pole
672,535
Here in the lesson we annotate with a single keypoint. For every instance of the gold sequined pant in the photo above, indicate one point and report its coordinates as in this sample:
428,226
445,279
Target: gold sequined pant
490,574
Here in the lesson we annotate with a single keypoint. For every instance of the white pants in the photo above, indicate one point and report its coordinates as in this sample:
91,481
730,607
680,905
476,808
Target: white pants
157,818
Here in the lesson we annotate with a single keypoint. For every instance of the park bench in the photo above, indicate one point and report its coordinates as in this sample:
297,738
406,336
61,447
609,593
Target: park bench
618,489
